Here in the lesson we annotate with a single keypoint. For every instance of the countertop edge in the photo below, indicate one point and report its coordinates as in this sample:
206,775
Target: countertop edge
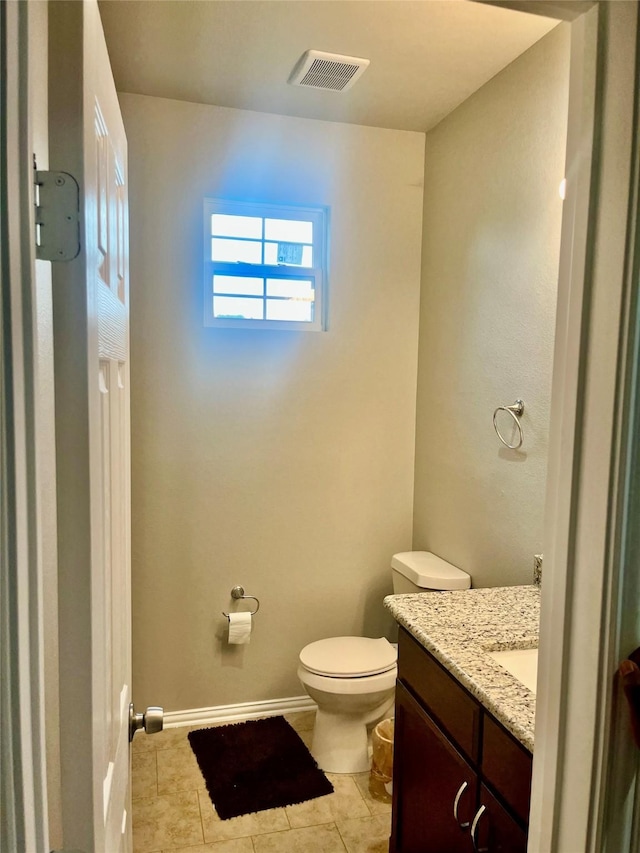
462,648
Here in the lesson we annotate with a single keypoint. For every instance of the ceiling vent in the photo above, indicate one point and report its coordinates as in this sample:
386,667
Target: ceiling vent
319,70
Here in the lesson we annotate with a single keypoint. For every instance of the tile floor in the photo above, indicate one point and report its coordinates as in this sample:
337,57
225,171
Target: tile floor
172,812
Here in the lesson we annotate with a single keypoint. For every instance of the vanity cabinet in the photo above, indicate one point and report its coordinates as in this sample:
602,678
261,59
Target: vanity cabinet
455,767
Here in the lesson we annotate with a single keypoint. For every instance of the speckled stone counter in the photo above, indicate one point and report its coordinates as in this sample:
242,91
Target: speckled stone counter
459,628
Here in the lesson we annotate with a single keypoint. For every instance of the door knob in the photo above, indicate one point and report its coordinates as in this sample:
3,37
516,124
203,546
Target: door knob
151,721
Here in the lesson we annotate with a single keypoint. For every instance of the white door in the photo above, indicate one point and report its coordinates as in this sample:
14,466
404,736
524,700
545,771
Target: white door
91,352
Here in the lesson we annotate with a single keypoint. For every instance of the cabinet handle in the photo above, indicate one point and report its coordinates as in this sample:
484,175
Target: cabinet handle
474,830
456,802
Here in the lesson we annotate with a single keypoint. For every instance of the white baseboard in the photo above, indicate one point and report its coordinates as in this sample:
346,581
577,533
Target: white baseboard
234,713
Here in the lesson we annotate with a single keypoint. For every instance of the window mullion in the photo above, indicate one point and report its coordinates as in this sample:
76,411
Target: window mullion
264,278
237,239
266,270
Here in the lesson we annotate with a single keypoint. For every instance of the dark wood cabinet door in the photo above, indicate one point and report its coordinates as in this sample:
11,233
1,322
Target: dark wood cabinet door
496,830
428,774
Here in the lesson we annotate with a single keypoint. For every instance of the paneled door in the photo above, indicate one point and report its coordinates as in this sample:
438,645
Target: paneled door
91,354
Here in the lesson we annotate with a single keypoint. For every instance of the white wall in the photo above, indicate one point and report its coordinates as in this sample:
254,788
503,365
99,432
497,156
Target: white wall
492,216
279,460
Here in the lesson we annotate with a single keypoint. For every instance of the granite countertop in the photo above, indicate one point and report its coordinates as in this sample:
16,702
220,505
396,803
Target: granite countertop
459,628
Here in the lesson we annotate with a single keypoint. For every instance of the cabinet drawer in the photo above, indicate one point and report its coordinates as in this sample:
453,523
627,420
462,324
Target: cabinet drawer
506,765
447,701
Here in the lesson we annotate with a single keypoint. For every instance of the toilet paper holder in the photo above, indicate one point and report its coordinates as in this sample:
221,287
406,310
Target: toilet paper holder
238,592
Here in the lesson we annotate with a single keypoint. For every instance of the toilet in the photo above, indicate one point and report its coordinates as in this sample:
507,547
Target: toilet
352,679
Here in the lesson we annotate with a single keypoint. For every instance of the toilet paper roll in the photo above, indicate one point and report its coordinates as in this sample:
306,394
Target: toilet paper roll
239,628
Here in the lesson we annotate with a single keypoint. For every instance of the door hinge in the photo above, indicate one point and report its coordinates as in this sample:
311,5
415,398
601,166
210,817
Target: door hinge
57,200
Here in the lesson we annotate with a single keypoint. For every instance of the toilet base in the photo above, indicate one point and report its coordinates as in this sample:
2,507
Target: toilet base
340,741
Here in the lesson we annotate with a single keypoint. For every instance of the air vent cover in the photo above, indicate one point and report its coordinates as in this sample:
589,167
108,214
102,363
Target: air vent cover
319,70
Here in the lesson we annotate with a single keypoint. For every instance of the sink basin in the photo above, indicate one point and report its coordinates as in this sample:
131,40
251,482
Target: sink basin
521,663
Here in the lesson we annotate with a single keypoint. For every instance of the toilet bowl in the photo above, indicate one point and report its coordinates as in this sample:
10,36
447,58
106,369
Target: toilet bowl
352,679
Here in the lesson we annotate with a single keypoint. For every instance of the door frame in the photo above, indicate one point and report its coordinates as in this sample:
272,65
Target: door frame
573,801
583,573
23,776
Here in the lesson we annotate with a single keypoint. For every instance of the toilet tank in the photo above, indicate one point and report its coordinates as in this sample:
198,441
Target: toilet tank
422,571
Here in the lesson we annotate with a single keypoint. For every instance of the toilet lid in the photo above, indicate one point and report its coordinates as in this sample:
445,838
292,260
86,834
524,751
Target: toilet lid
349,657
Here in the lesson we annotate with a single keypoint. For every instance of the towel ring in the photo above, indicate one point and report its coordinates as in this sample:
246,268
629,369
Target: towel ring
515,411
238,592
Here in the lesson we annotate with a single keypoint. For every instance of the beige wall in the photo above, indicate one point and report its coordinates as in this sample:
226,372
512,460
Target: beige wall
490,260
279,460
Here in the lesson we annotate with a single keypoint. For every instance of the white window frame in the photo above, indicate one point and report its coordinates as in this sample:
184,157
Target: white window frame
318,273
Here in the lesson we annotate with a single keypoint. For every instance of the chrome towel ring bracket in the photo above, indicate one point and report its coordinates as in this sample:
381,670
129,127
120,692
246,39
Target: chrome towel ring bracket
238,592
515,411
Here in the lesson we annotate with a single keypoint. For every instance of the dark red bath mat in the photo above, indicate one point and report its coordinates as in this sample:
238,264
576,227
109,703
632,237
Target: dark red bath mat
257,765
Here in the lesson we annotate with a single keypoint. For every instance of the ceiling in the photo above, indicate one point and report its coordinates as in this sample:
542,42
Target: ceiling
427,56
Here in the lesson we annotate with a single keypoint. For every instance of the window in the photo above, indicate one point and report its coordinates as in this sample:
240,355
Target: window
264,266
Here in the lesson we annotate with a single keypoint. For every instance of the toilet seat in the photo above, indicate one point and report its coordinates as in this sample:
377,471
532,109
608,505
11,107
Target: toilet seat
349,657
